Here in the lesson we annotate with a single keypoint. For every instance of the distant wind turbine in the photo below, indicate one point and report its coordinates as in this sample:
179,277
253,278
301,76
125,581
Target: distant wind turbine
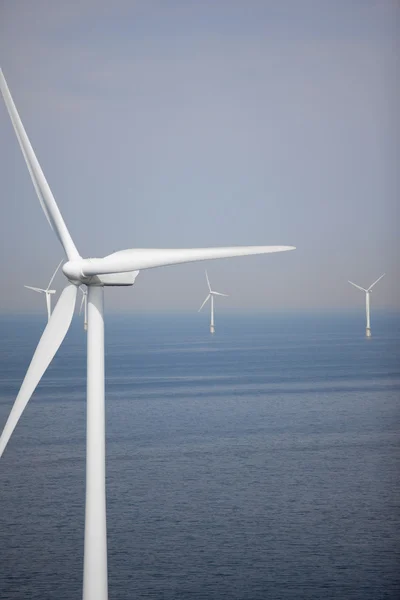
84,306
117,269
47,291
367,302
211,297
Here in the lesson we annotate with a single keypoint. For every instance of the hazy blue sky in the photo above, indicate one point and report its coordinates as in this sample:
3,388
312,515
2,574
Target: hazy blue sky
185,123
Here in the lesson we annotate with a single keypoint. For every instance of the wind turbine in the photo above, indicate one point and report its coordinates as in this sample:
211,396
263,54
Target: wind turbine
47,291
119,268
367,302
211,297
84,306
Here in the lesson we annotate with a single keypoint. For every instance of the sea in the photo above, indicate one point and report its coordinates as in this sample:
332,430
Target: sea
259,463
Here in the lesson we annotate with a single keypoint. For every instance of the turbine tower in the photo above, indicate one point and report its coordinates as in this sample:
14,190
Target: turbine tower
84,306
211,297
117,269
367,302
47,291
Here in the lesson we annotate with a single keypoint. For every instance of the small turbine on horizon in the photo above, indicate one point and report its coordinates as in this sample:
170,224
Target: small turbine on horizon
367,302
211,296
84,306
47,291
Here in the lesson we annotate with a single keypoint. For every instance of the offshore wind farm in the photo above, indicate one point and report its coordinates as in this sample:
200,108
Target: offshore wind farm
248,450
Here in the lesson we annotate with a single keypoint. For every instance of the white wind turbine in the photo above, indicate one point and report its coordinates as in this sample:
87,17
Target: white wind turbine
47,291
84,306
119,268
211,297
367,302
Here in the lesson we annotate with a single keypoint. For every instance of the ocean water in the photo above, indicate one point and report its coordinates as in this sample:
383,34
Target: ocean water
259,463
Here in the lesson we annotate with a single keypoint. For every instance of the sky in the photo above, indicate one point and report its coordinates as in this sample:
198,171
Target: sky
162,123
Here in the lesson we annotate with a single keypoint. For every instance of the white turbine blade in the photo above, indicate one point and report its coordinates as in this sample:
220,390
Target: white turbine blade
208,281
143,258
375,282
41,186
49,343
219,294
208,297
358,286
54,274
35,289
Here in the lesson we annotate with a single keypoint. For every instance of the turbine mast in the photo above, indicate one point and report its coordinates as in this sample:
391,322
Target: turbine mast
48,304
367,308
95,585
212,328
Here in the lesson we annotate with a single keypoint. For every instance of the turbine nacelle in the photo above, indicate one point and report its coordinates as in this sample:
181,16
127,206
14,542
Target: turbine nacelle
74,271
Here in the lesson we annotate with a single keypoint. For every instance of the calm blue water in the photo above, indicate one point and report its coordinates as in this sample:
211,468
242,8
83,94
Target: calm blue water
262,463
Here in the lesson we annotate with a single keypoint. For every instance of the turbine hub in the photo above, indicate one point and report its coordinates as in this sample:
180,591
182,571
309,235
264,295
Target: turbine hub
73,271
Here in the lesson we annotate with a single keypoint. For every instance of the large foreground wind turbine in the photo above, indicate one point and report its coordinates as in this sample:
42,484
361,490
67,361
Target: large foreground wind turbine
211,297
367,303
119,268
47,291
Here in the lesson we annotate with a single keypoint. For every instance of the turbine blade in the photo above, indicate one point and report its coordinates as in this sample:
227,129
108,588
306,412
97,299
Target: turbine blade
54,274
358,286
208,281
375,282
142,258
47,347
208,297
35,289
40,184
219,294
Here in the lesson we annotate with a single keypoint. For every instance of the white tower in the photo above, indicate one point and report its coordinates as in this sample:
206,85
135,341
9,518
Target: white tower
367,303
